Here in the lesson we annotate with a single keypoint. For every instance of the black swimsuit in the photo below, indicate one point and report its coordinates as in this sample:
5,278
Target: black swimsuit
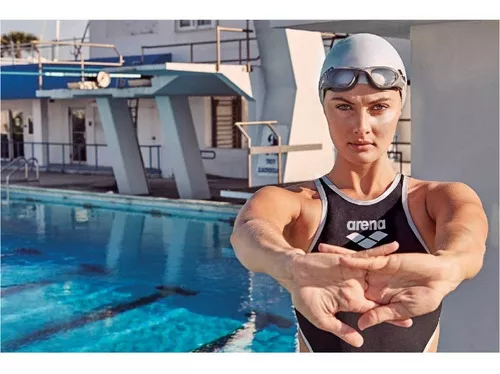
360,225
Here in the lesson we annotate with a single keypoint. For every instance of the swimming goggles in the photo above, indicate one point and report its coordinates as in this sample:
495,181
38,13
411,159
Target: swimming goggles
344,79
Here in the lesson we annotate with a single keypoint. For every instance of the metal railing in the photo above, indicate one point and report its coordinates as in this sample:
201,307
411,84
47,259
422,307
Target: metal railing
58,156
277,149
396,156
82,61
10,164
14,53
218,43
192,45
17,164
246,30
77,157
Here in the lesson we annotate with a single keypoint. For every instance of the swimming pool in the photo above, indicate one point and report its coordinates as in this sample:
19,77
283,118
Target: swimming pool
78,278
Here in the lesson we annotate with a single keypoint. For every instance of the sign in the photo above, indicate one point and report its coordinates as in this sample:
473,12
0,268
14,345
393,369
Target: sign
267,164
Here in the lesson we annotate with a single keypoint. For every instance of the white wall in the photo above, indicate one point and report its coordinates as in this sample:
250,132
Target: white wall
230,163
18,105
309,125
291,62
24,106
455,132
129,36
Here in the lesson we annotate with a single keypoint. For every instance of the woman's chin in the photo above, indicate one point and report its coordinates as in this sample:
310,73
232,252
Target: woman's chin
362,158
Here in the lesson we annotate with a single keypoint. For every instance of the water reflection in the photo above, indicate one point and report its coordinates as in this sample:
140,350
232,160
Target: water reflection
144,254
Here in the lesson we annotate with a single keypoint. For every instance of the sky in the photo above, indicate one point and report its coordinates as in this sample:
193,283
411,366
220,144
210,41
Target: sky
46,30
68,29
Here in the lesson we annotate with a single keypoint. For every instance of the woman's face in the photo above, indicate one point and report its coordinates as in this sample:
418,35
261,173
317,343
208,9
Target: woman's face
362,121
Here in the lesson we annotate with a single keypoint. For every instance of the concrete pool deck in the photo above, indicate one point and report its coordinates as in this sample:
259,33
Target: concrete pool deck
100,183
90,190
159,187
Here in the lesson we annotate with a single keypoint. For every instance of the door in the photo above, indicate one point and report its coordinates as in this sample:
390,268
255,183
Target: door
5,133
77,135
18,134
12,134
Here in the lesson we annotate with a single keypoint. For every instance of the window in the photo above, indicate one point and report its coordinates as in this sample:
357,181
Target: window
204,22
225,112
184,25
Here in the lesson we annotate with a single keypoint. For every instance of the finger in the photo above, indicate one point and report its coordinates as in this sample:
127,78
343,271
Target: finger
328,248
404,323
366,306
369,263
382,250
343,331
370,305
385,313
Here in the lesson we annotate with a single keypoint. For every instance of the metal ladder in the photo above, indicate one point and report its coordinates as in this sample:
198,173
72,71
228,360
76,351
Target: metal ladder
17,164
133,107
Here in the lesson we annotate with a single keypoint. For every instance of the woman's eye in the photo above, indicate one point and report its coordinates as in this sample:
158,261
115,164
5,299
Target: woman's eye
379,107
343,107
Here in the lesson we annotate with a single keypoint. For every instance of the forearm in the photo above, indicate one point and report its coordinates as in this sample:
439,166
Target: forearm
461,228
261,247
462,250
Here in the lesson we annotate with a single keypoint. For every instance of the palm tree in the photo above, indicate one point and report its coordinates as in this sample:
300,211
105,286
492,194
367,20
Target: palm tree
20,40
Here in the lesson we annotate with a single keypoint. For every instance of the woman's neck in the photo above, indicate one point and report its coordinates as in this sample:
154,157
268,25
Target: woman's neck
365,181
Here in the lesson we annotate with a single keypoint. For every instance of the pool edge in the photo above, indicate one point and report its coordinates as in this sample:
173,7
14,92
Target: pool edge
65,195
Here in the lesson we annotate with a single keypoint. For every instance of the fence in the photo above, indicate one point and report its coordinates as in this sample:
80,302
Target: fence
74,156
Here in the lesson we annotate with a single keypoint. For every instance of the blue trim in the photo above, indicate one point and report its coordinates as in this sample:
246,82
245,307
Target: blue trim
21,83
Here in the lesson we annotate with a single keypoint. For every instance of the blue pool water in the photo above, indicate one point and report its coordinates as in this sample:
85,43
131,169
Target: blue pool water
77,279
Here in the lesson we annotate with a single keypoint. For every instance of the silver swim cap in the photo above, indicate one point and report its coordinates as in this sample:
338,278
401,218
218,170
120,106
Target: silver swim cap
364,51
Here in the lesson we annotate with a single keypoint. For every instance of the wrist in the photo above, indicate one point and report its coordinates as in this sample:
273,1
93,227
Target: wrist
451,269
288,265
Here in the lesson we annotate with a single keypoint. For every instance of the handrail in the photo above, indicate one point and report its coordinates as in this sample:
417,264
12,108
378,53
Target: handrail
10,56
246,30
82,62
5,167
55,154
240,125
278,149
206,42
26,175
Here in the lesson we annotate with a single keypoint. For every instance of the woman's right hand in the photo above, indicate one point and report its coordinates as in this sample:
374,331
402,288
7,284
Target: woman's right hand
321,287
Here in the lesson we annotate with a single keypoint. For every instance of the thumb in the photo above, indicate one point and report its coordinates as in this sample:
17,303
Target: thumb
408,322
340,329
390,312
402,323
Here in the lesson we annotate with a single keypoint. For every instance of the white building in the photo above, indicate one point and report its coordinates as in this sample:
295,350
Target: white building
73,121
